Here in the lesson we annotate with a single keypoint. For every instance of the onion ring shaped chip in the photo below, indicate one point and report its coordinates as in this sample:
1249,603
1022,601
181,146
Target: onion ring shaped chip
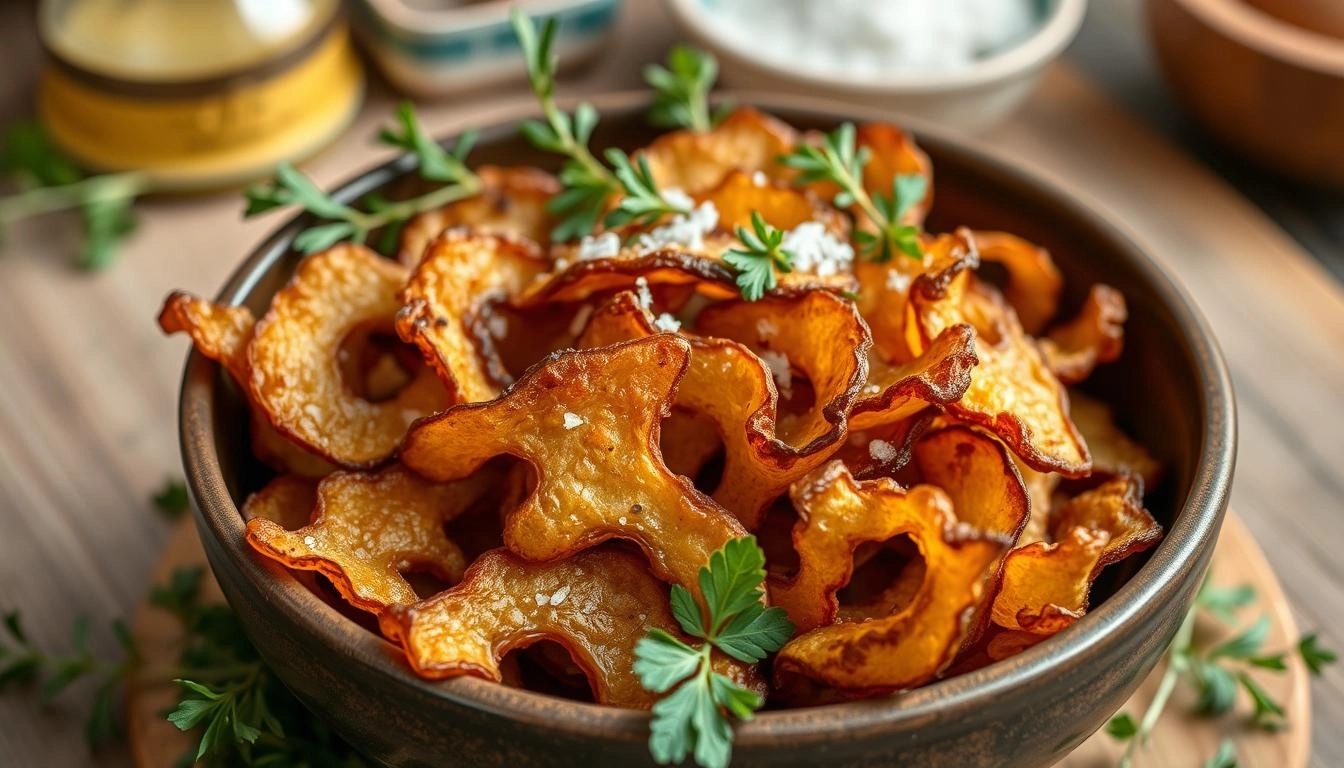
295,376
908,647
1045,587
597,604
1096,335
512,203
443,301
588,423
1013,393
368,529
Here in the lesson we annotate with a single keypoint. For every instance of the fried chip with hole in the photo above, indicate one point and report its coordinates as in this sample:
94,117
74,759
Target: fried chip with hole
293,366
588,423
443,302
1113,451
369,530
512,203
746,140
884,287
688,442
978,473
1013,393
903,649
597,604
1115,508
1045,587
1034,282
222,334
1096,335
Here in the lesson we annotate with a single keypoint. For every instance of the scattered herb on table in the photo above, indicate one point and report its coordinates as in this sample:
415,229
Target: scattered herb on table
1218,673
341,222
48,181
762,253
694,716
171,499
837,160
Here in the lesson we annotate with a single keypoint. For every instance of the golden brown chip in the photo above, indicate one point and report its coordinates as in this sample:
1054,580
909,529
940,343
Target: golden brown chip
1013,393
746,140
905,648
1113,451
580,280
588,423
1045,586
1094,336
460,274
512,203
1041,488
940,375
222,334
883,450
597,604
1115,508
689,441
1034,282
293,360
884,288
977,472
287,500
371,529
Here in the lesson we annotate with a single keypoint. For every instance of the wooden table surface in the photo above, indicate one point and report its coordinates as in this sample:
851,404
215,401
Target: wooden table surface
88,386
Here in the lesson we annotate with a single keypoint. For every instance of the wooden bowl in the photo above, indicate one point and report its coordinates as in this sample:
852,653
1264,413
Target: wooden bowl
1269,89
1171,389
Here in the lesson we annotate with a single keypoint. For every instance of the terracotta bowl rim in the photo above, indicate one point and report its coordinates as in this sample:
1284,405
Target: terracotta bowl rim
1267,34
1147,593
1044,44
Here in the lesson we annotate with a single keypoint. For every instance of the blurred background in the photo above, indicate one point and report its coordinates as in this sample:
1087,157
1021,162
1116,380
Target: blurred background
1209,128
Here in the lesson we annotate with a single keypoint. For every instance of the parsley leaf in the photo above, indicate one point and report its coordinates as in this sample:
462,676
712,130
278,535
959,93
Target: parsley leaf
681,98
762,253
839,161
1313,655
693,718
1224,602
1122,727
1226,757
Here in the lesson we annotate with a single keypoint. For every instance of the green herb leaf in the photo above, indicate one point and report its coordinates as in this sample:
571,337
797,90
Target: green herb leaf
682,89
1217,688
1276,662
1224,602
1246,643
1122,727
693,719
434,162
643,204
762,253
1226,757
1268,714
171,499
1313,655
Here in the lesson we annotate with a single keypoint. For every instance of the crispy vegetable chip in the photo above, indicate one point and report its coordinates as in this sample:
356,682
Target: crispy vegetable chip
597,604
1013,393
222,334
746,140
294,367
588,423
940,375
1045,586
288,501
1041,488
580,280
1115,508
459,275
884,287
1034,282
978,474
368,531
689,441
1113,451
1095,336
903,649
512,203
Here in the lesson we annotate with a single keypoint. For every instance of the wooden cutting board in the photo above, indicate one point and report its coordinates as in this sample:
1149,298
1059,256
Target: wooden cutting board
1180,740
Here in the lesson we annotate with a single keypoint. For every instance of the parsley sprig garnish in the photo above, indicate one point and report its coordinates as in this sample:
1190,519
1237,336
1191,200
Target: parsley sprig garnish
693,718
290,187
1218,673
171,499
48,181
681,90
837,160
762,253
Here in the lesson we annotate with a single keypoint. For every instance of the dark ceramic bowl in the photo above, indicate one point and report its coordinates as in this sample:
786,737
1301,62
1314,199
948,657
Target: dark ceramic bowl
1171,390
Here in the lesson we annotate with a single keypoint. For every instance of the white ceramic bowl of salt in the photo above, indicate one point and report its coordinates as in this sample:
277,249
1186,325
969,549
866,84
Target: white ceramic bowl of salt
964,64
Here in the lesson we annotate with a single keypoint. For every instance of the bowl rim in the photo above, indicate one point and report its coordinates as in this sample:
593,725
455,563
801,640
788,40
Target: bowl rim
1265,33
1159,581
1044,44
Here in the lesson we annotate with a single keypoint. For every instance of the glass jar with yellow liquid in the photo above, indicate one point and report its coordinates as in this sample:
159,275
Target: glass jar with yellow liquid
197,93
